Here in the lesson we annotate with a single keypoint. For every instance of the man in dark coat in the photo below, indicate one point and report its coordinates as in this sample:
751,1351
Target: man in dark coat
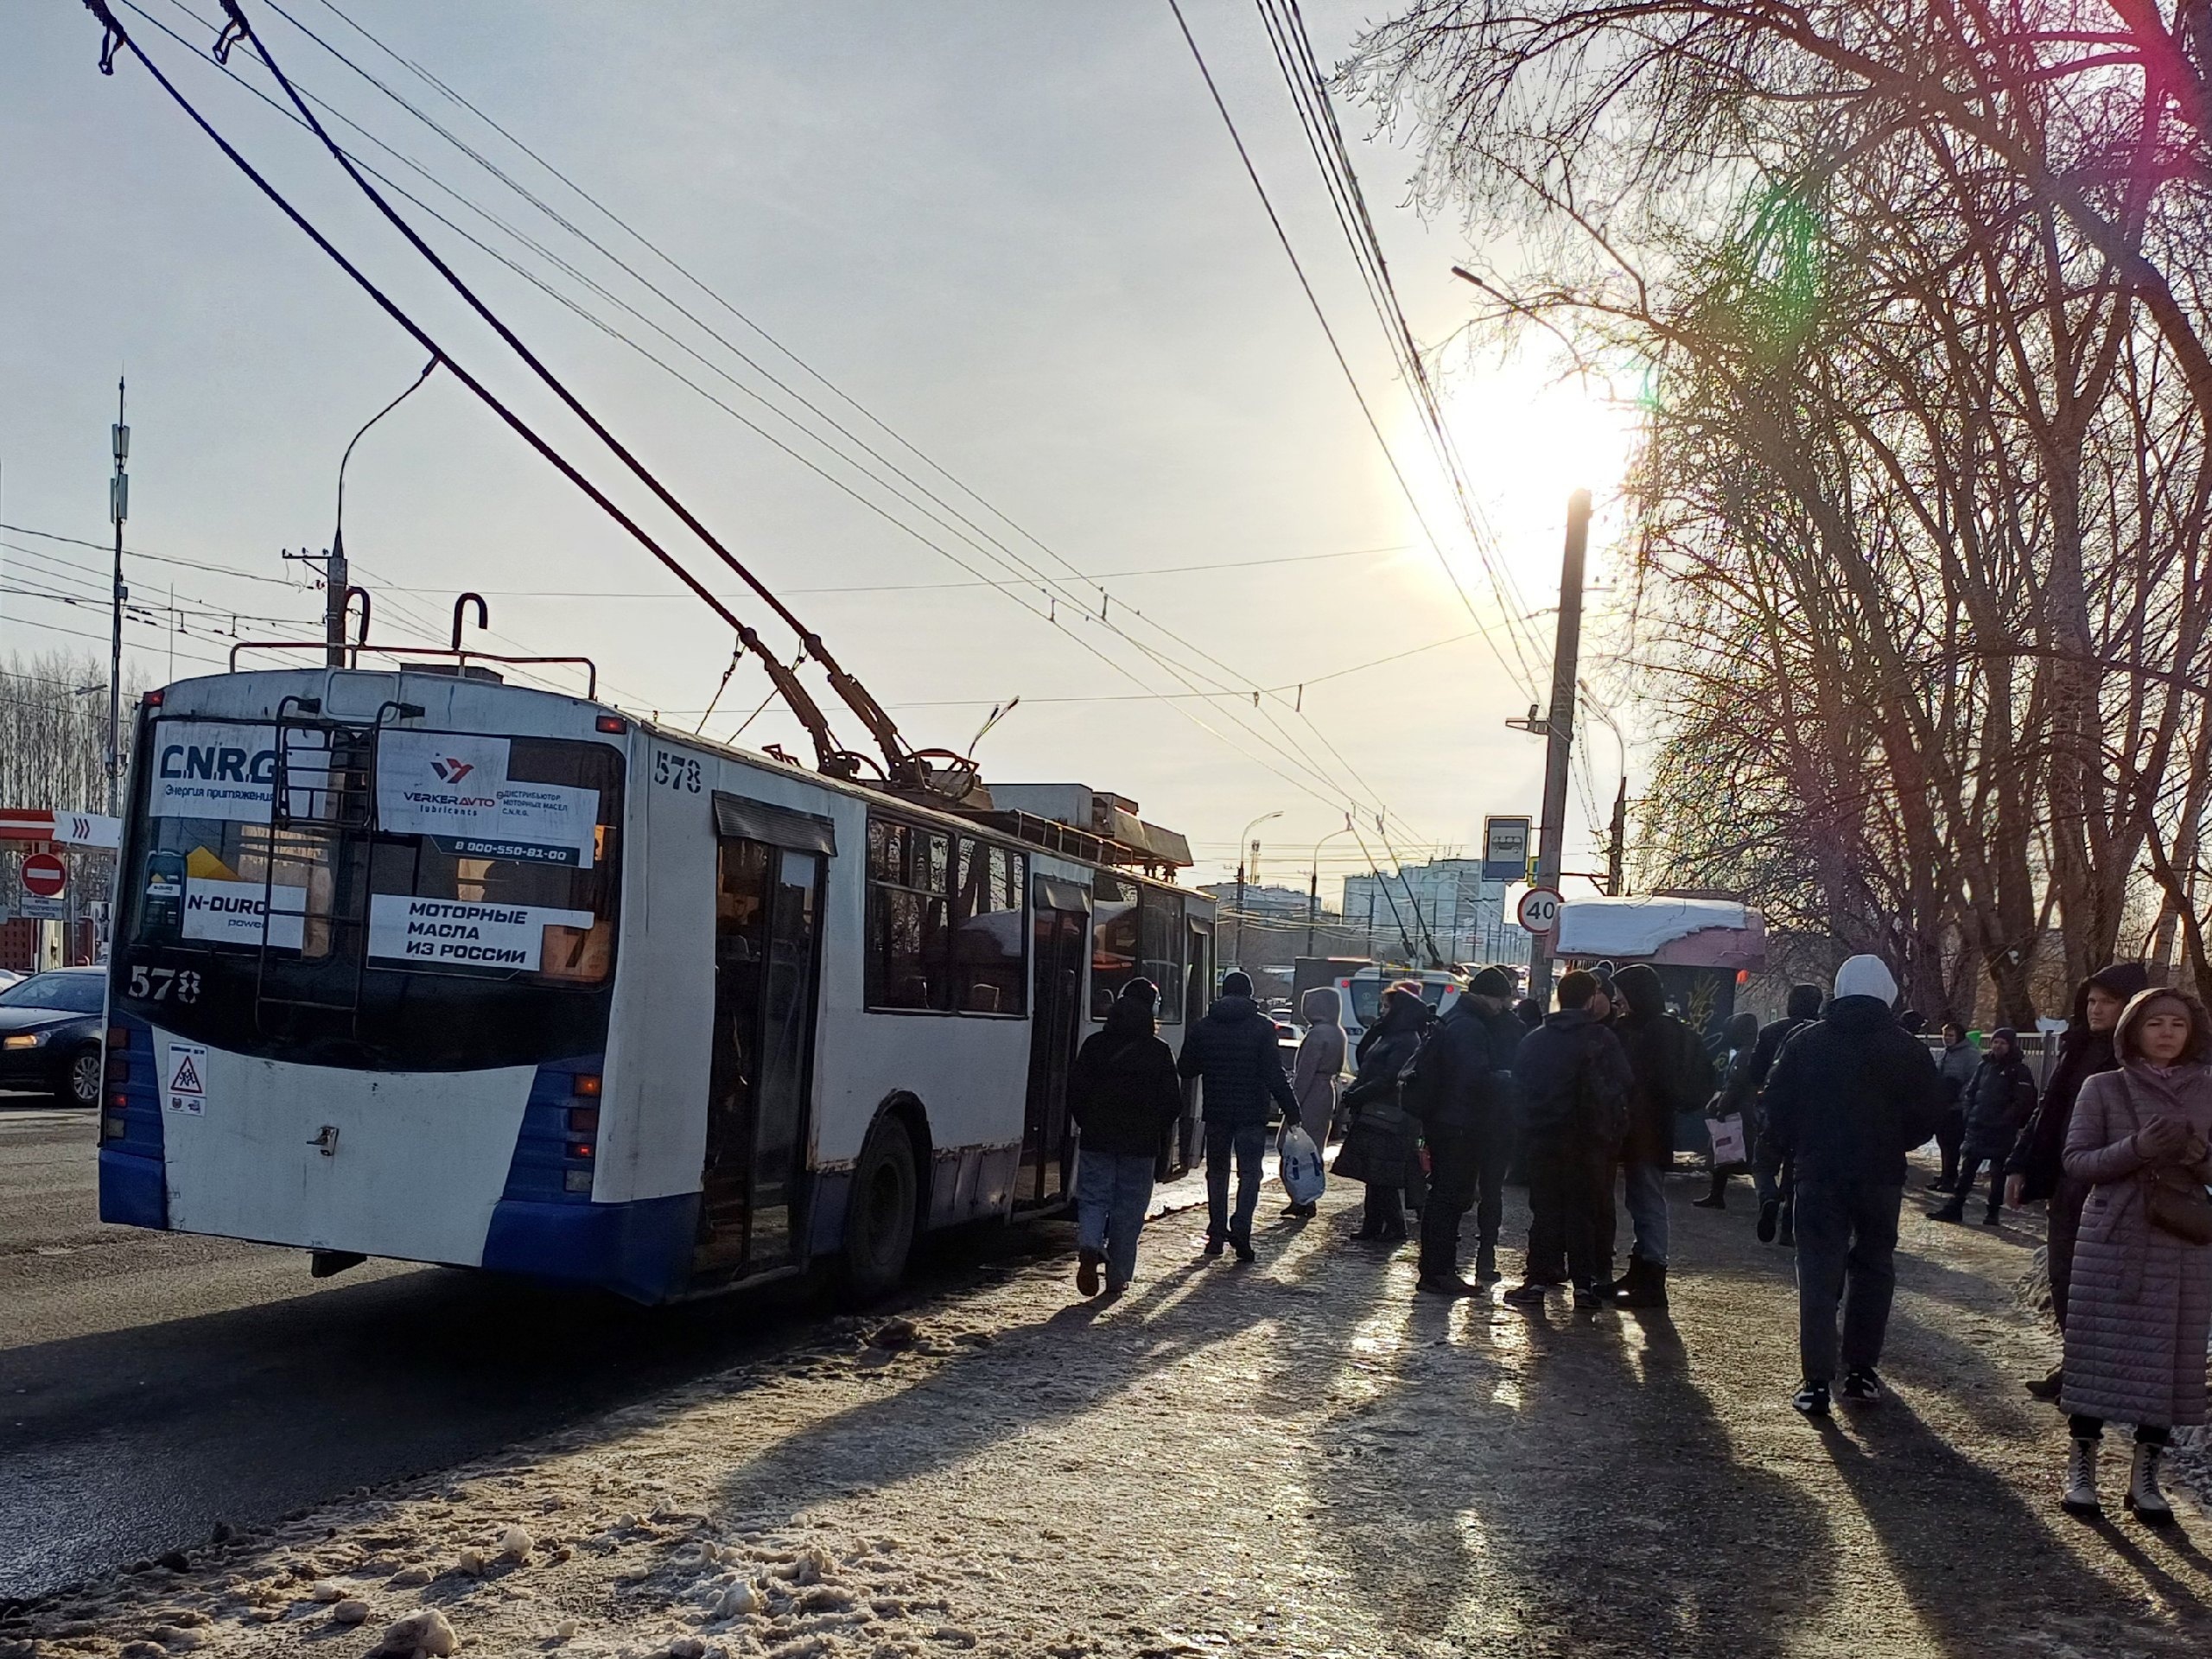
1673,1074
1123,1094
1461,1090
1848,1098
2036,1170
1769,1174
1997,1101
1574,1084
1237,1052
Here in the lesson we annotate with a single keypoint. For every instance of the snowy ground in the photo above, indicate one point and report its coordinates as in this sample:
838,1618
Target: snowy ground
1294,1457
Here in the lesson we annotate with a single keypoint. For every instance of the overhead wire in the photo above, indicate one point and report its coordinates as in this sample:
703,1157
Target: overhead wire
1331,788
569,225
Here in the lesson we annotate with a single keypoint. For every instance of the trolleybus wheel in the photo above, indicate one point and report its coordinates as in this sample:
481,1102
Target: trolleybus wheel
879,1214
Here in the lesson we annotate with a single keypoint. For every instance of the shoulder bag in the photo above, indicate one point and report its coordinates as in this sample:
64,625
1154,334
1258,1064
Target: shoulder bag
2173,1199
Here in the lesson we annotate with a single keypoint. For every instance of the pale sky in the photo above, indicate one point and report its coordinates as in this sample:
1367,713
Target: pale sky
1017,234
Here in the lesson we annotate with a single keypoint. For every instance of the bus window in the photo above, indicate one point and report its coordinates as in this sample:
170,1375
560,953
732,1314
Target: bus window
988,930
1160,931
1114,938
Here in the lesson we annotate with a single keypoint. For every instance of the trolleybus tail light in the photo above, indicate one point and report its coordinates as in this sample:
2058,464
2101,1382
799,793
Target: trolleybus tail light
152,699
583,1120
612,725
119,1070
580,1149
111,1125
576,1180
587,1084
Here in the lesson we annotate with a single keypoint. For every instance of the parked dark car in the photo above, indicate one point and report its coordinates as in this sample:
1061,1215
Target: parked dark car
50,1034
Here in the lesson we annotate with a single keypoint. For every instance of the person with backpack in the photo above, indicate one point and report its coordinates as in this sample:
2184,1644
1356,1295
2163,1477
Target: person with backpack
1381,1144
1460,1087
1770,1172
1672,1074
1237,1052
1996,1102
1122,1093
1574,1086
1850,1095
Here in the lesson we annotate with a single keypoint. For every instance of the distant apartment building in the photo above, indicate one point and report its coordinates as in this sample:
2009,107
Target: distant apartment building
1462,914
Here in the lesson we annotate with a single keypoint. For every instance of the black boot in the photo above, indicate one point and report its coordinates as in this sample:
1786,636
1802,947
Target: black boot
1650,1291
1630,1283
1717,1197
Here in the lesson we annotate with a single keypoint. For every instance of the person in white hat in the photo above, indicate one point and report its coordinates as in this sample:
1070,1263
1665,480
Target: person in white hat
1849,1097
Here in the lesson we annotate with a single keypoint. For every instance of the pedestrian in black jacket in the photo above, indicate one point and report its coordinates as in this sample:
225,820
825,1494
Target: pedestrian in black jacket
1461,1090
1673,1074
1238,1053
1848,1098
1383,1141
1124,1093
2036,1168
1769,1170
1572,1083
1996,1102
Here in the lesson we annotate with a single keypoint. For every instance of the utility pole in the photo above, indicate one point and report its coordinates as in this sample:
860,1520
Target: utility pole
1558,727
1313,882
118,509
337,578
1244,836
1617,853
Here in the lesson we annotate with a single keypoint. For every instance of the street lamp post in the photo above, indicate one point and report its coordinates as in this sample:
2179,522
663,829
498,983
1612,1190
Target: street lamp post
1313,882
1241,839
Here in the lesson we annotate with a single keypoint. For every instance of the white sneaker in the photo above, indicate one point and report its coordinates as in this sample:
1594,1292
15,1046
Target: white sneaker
2145,1500
2081,1480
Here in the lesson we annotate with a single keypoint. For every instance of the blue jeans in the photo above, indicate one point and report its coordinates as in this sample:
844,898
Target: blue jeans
1846,1252
1245,1142
1113,1190
1645,1187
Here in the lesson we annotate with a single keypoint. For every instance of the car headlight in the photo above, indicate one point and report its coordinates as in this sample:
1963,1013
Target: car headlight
23,1039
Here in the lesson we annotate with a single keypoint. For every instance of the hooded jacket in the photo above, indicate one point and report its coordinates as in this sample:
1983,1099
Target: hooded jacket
1738,1090
1235,1050
1850,1094
2040,1152
1320,1059
1572,1078
1672,1072
1379,1147
1121,1090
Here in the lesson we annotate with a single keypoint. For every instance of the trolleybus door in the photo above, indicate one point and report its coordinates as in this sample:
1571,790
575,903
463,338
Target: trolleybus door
1060,918
767,909
1198,994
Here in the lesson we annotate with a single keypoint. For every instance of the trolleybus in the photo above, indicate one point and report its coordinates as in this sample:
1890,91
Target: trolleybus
421,965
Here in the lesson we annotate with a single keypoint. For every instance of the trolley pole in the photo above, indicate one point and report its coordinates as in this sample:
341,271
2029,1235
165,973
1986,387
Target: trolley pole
1559,731
118,509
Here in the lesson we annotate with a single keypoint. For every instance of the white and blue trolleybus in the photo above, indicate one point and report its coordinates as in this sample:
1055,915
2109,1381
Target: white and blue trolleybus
421,965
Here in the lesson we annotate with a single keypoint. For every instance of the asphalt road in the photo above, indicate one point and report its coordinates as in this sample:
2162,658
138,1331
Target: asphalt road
152,1384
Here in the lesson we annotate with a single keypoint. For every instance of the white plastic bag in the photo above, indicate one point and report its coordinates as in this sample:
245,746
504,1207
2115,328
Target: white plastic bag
1730,1145
1303,1177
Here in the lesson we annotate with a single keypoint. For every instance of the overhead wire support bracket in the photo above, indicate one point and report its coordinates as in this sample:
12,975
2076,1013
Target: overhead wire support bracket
830,757
849,690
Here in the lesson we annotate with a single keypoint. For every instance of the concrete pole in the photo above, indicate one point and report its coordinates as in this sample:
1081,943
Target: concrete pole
1559,730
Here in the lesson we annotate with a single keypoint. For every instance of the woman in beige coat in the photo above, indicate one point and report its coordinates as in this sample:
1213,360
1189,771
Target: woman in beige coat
2141,1304
1320,1063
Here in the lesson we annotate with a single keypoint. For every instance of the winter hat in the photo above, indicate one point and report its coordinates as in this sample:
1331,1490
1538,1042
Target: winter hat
1866,976
1492,982
2007,1035
1141,990
1235,984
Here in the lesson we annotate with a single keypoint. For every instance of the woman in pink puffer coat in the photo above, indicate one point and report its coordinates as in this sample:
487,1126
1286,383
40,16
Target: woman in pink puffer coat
2141,1304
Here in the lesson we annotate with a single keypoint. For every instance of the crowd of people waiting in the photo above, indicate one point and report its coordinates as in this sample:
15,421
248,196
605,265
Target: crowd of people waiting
1831,1099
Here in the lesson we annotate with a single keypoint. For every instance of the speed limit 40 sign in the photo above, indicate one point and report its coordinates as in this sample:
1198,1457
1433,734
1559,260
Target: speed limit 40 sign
1539,910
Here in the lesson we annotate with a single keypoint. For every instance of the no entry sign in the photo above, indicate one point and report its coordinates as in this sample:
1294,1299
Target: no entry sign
44,875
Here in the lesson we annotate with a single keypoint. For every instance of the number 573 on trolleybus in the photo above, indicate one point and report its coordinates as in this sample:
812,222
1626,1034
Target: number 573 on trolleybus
419,964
